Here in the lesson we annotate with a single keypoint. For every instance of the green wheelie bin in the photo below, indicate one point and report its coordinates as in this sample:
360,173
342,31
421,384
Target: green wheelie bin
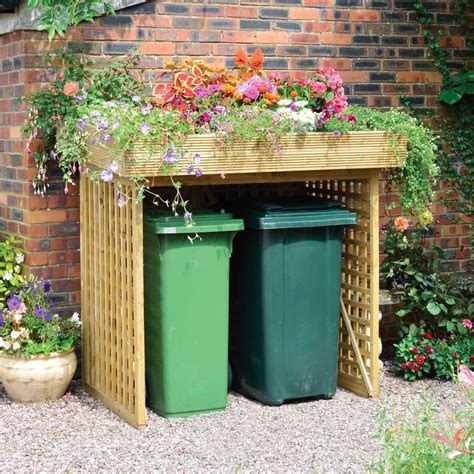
186,311
285,292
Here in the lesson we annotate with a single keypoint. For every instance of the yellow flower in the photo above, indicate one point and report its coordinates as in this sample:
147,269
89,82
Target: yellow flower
425,218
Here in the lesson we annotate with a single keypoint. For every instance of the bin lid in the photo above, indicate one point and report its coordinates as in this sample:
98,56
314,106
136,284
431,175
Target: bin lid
164,222
286,214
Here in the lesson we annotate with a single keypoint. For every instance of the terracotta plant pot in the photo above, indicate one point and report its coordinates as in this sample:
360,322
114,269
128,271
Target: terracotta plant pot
39,378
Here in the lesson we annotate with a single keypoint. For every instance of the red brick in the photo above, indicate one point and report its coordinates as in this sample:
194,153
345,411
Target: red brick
158,48
335,38
238,36
240,12
304,38
272,37
299,13
364,15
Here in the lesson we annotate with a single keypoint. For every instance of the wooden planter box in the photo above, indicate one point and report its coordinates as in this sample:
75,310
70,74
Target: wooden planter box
308,152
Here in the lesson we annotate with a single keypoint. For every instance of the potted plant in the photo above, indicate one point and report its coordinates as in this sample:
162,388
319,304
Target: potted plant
37,358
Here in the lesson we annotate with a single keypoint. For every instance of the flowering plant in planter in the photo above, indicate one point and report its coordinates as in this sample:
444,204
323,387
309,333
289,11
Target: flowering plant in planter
237,107
28,326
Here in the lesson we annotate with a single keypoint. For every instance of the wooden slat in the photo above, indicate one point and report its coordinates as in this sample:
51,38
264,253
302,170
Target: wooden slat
354,150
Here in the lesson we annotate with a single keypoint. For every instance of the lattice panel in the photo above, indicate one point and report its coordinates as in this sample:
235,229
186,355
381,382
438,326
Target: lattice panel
359,345
112,300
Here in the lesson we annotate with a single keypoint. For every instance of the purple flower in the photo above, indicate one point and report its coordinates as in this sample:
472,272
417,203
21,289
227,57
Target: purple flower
105,138
337,134
13,302
197,158
219,109
205,117
95,115
198,172
319,123
190,169
325,115
104,125
115,123
47,286
48,316
121,201
81,123
113,166
251,88
170,156
79,99
147,109
39,312
188,217
136,98
205,92
351,118
106,176
1,317
144,128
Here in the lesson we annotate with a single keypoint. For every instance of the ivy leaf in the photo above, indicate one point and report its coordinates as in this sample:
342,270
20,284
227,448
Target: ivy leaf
450,96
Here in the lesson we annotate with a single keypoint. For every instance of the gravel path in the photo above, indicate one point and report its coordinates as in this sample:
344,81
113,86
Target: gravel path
78,434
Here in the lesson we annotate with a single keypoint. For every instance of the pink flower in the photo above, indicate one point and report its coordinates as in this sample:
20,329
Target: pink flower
22,308
467,323
318,87
466,376
251,89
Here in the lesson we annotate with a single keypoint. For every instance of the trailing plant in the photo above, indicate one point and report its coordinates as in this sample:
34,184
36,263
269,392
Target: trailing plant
11,260
426,439
56,16
29,327
414,181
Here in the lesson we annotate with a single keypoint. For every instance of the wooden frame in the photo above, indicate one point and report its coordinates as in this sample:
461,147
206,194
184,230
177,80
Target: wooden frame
112,251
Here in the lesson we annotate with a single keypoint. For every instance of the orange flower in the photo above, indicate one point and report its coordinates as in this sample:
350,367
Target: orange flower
262,90
256,61
401,224
71,88
294,94
238,96
228,89
246,101
268,102
241,58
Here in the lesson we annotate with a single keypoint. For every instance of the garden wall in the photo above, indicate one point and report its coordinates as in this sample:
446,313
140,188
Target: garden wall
376,44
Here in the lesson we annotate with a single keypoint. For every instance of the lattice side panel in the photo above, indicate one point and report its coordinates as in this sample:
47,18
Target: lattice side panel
112,300
358,366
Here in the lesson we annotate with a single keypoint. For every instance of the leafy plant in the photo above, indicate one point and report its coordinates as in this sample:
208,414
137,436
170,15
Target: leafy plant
458,85
426,440
28,326
414,181
11,260
421,354
56,16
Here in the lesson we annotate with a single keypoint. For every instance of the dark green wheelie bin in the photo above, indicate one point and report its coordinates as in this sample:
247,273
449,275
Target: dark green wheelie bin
285,292
186,311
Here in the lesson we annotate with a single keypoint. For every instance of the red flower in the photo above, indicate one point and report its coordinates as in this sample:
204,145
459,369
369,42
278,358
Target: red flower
411,365
416,368
428,335
403,365
415,350
428,349
455,354
420,360
471,359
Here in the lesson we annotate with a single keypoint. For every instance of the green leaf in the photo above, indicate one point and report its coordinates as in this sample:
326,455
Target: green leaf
433,308
450,96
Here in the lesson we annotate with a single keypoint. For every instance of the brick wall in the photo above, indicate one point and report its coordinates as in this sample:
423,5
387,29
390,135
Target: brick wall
376,44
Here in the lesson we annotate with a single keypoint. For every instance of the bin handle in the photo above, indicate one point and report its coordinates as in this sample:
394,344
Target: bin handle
353,339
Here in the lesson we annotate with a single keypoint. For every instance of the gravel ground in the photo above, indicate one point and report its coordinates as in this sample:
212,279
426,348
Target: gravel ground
78,434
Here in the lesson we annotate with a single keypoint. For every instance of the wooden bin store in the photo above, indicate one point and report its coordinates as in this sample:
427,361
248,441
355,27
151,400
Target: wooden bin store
316,164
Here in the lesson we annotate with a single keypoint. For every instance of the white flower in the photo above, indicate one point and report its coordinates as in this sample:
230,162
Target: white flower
15,334
16,346
301,103
20,258
17,317
284,102
75,319
306,116
24,332
7,276
6,345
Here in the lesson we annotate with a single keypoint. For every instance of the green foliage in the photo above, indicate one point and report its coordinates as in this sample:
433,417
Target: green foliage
56,16
51,109
426,440
459,85
414,181
11,259
457,157
411,270
28,326
421,354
